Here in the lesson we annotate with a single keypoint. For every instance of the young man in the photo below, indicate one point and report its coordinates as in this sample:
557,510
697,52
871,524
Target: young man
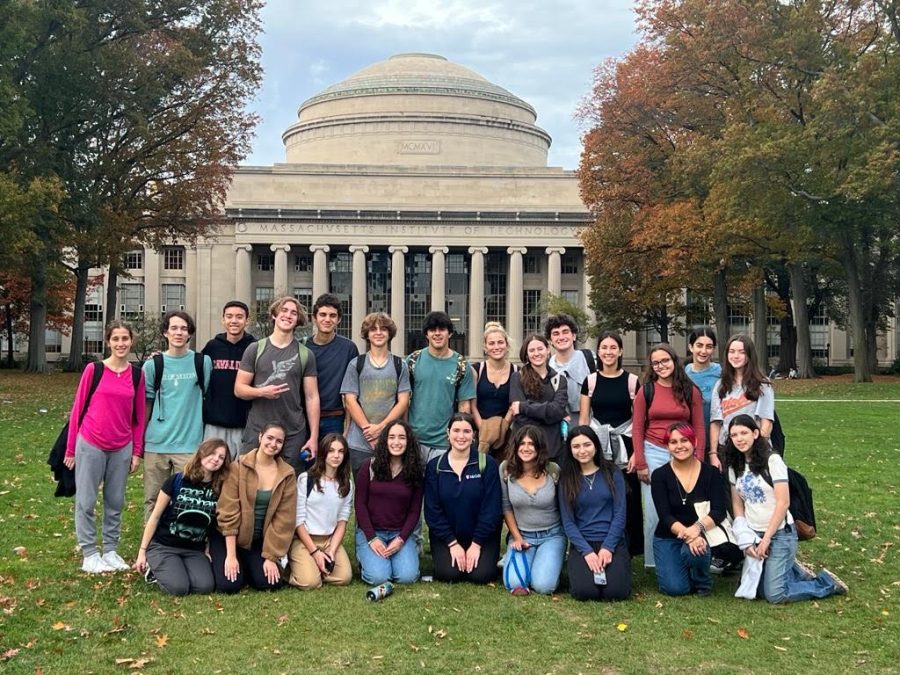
562,332
174,404
278,374
375,388
441,383
333,353
224,414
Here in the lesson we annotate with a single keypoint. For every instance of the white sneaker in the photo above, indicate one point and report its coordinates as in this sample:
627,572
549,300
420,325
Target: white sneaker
115,561
94,564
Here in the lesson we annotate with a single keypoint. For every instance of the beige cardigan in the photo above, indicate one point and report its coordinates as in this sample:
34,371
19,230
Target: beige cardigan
236,505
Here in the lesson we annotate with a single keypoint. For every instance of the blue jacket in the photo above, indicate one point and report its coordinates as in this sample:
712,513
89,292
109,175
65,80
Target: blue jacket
465,508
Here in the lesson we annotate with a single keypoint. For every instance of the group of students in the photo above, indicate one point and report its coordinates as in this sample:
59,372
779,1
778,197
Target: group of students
256,452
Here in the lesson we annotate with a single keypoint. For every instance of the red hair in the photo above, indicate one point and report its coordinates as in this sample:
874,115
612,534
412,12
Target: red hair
685,430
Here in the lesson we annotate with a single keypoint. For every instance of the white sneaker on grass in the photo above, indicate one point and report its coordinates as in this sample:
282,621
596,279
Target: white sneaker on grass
115,561
94,564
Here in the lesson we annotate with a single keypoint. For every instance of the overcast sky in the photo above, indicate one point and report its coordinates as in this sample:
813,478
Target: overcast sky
542,51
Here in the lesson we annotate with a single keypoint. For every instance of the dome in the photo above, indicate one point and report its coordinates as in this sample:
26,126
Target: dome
417,110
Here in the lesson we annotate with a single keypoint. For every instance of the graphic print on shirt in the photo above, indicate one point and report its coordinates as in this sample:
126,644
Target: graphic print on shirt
750,490
732,405
193,513
280,370
175,378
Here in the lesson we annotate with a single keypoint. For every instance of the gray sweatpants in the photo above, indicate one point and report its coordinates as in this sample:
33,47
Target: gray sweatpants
180,571
92,467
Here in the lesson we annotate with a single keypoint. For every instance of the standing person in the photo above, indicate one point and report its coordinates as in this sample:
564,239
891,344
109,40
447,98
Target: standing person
667,397
760,495
607,396
743,390
389,490
175,545
441,382
592,507
462,508
256,512
704,372
105,444
538,394
375,388
333,353
562,332
324,500
278,374
176,381
492,381
680,546
537,543
224,414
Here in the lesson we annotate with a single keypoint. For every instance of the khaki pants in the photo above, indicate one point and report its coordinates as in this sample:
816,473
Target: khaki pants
158,466
305,573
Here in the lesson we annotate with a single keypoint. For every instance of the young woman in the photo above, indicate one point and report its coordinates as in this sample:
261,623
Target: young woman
105,444
324,498
492,382
743,390
462,508
607,396
704,372
175,547
256,517
680,547
592,507
759,494
389,490
538,394
537,543
673,399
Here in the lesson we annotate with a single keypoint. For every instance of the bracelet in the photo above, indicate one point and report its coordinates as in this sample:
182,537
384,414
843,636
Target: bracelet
713,453
701,526
142,548
453,543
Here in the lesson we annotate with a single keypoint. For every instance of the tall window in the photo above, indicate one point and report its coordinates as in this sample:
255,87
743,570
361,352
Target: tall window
818,332
264,295
696,311
496,264
531,263
265,262
340,281
531,305
304,297
93,313
738,317
456,280
418,298
131,299
303,262
133,260
173,258
53,341
378,281
172,297
93,339
570,296
569,262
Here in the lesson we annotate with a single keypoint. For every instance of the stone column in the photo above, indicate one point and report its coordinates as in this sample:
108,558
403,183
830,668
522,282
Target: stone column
554,269
151,281
358,303
514,299
280,284
438,278
320,270
190,281
202,294
398,296
243,289
476,301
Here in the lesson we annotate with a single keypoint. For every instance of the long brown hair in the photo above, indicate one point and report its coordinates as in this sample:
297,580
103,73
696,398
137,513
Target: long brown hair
193,469
542,456
532,383
682,386
752,376
412,470
570,470
342,475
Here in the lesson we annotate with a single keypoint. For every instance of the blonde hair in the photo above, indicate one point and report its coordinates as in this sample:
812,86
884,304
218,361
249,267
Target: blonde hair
495,327
279,303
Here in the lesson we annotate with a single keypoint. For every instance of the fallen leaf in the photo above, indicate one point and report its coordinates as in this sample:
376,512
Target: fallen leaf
377,657
687,633
743,633
622,627
413,647
21,551
8,654
781,649
59,625
283,619
440,633
207,631
659,604
162,640
712,620
139,663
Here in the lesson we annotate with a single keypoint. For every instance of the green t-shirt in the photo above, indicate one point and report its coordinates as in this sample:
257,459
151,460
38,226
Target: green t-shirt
433,396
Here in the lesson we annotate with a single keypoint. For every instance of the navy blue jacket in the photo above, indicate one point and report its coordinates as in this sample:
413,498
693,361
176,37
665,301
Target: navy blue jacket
221,407
467,507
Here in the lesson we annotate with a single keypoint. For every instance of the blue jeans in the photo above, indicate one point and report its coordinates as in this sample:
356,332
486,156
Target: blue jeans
331,425
656,457
402,567
544,559
783,580
678,571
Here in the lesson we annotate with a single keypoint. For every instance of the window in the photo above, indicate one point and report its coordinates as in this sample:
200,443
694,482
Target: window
418,297
570,296
738,317
131,297
378,281
495,264
569,263
303,262
93,339
531,263
93,313
340,282
531,306
133,260
172,297
53,341
265,295
696,311
265,262
173,258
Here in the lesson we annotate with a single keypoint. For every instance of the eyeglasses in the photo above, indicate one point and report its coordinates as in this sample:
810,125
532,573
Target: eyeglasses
656,365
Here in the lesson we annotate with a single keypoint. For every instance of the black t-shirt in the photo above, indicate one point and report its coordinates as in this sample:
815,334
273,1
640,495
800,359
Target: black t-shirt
611,401
492,401
190,516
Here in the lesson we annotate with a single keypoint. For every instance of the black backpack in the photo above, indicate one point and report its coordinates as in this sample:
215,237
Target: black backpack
590,359
801,508
777,436
159,364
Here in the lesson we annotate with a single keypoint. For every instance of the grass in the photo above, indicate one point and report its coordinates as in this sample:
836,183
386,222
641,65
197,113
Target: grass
57,620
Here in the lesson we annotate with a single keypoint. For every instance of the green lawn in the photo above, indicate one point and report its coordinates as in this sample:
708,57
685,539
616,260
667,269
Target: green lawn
57,620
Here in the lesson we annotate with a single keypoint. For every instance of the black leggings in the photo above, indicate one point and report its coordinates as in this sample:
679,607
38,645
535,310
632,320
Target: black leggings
250,568
618,575
484,573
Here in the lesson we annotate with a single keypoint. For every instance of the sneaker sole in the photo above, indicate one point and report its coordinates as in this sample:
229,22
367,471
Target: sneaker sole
841,585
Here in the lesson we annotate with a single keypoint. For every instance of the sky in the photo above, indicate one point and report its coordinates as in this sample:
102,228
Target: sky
544,52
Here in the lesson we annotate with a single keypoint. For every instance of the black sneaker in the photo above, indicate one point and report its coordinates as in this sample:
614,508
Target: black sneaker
717,566
149,577
734,567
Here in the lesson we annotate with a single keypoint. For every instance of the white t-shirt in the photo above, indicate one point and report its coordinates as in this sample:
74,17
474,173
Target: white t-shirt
758,496
736,403
323,510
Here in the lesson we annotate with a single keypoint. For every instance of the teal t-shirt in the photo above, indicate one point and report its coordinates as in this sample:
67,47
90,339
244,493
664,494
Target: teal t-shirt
176,424
433,403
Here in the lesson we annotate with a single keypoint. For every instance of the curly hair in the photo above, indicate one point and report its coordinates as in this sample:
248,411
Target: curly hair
412,470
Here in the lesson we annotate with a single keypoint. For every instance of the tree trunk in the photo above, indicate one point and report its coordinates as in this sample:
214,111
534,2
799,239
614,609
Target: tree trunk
805,368
75,364
10,334
720,312
663,324
872,345
857,315
760,327
112,295
787,352
37,327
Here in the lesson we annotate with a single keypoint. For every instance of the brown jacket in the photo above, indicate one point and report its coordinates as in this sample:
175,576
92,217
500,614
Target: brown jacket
236,507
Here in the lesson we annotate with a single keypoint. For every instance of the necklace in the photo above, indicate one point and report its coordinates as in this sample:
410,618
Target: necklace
590,480
681,491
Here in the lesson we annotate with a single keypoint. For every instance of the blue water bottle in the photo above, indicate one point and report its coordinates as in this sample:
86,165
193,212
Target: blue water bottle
564,429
